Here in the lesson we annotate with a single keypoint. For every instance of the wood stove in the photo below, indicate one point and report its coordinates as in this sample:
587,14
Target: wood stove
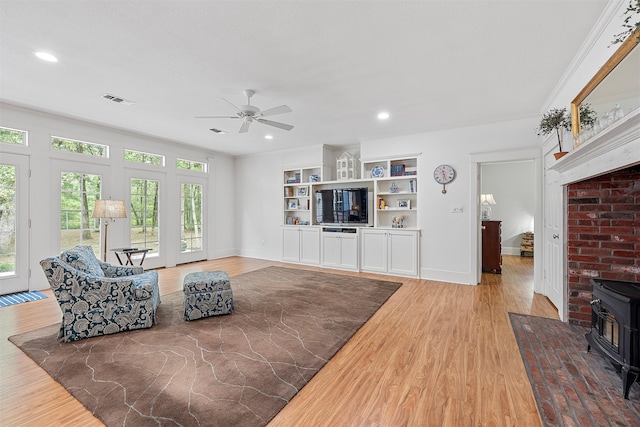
615,327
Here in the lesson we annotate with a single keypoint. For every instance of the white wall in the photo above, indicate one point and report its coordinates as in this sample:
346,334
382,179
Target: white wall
513,187
44,183
445,240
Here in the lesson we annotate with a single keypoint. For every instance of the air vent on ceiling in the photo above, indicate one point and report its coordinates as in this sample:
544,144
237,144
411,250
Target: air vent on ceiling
118,99
217,131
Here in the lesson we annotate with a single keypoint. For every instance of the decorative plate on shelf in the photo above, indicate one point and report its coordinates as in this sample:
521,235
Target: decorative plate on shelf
377,171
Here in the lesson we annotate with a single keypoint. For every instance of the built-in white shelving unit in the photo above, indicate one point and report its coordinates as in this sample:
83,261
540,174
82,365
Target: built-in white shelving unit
388,244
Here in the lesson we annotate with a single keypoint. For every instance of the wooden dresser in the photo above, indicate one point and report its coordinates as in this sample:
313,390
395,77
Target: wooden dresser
492,246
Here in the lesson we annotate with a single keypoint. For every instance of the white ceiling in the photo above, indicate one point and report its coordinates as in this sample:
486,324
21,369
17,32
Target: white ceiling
432,64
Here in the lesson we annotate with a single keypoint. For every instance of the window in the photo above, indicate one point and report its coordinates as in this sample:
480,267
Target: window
191,165
73,146
7,219
139,157
191,217
144,214
78,192
13,136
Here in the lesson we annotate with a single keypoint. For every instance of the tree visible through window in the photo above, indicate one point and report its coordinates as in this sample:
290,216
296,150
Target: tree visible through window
144,214
7,219
73,146
191,217
13,136
78,193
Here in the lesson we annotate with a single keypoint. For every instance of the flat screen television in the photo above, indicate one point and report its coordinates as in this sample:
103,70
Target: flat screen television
342,206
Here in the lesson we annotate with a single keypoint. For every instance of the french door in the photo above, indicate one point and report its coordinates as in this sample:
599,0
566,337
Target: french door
146,208
14,223
192,210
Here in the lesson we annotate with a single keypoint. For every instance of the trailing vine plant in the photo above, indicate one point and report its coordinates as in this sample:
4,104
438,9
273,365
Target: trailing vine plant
633,14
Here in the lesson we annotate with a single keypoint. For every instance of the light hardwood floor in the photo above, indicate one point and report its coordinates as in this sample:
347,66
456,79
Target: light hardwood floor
436,354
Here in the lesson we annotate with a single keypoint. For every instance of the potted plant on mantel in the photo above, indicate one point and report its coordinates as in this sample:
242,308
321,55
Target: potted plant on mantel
559,120
555,120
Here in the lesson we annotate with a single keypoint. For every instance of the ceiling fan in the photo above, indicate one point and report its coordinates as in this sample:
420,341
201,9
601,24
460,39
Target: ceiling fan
250,113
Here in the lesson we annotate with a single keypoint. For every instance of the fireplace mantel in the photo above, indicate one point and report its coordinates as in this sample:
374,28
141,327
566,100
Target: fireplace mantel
614,148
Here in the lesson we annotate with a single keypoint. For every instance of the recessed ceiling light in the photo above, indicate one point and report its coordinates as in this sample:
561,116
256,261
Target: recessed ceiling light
46,57
268,137
383,115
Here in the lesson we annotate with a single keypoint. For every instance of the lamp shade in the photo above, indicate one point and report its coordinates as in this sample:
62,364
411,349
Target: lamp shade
488,198
107,208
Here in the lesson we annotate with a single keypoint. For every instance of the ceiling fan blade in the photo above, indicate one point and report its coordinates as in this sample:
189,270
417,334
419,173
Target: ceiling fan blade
217,117
245,127
234,107
275,110
275,124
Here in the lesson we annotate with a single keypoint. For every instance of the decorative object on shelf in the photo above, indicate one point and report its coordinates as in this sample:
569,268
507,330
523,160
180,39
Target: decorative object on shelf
293,204
346,167
397,170
558,120
314,178
288,191
397,222
377,171
393,188
629,27
555,120
444,174
381,203
302,191
487,200
107,209
404,204
413,186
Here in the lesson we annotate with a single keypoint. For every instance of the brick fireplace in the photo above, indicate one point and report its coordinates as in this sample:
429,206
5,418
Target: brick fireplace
603,236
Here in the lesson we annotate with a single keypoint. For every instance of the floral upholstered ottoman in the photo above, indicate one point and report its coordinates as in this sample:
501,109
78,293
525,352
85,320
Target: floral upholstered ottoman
207,293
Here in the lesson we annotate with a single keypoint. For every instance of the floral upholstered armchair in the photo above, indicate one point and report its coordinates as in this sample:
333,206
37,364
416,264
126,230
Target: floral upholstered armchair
98,298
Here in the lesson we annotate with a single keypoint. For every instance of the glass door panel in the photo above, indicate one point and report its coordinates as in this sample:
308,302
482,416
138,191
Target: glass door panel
14,223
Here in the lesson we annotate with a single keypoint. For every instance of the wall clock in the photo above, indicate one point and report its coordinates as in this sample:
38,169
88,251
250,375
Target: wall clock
444,174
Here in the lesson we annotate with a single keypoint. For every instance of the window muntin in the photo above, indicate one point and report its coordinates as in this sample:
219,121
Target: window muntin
78,193
81,147
144,219
8,220
13,136
191,217
146,158
191,165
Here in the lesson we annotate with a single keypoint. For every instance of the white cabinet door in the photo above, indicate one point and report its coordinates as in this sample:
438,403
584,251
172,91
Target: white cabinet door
330,249
340,250
310,245
402,257
291,244
374,251
349,251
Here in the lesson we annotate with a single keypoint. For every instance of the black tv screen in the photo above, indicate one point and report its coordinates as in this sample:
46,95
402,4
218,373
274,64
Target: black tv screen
342,206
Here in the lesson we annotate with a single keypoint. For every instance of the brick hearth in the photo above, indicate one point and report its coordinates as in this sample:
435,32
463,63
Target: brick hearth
603,236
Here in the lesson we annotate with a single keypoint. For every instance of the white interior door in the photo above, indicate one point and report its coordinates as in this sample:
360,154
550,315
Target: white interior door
554,283
14,223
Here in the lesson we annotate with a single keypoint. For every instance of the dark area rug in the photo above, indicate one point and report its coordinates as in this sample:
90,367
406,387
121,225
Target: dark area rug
572,387
233,370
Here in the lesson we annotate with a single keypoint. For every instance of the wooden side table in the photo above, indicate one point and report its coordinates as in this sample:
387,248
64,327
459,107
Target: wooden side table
128,252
